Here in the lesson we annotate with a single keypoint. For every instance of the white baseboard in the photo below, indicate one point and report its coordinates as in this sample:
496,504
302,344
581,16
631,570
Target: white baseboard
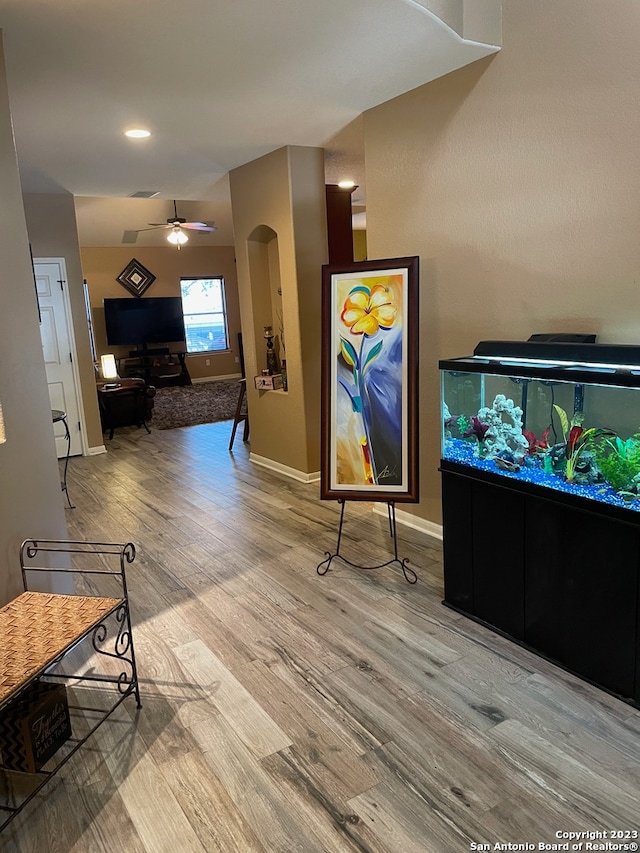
199,379
95,451
410,520
294,474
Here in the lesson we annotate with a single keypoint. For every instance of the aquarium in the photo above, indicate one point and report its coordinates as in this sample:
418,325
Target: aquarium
562,416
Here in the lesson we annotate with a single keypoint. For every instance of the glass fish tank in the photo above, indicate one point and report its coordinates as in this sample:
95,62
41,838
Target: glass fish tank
563,416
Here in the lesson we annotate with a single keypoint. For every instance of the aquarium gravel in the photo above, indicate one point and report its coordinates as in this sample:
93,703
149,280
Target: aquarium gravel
466,453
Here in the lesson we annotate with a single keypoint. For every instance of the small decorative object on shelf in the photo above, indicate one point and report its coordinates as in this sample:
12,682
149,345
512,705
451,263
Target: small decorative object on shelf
272,358
283,372
271,382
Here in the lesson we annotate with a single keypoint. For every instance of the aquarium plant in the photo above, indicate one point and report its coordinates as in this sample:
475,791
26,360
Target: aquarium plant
455,424
537,446
463,424
619,463
569,458
475,428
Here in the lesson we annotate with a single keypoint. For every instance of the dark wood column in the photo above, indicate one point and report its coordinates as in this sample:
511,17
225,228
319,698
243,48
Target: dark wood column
339,225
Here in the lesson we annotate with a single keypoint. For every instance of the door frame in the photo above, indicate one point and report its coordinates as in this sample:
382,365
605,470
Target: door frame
66,298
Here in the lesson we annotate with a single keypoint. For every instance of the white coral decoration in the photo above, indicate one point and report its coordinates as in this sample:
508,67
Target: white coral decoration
446,418
505,429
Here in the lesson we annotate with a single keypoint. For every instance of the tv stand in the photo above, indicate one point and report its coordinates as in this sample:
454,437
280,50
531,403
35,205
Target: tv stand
136,353
158,366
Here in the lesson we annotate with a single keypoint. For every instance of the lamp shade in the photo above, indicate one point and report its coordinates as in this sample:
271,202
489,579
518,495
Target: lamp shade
108,366
3,437
177,236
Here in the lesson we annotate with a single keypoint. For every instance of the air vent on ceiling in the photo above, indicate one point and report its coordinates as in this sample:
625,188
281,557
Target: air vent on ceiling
145,194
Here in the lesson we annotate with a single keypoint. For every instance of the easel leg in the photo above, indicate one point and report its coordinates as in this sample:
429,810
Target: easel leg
328,555
409,575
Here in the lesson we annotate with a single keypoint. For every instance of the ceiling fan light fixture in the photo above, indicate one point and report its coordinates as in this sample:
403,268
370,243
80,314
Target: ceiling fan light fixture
177,236
137,133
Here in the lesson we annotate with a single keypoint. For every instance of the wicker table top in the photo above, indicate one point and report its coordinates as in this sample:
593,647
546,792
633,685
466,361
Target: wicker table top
37,627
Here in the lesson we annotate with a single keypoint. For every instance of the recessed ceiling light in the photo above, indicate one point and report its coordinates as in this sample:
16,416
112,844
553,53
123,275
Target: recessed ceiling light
346,185
137,133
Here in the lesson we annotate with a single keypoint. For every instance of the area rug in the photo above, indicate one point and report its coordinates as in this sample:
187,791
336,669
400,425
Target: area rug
187,405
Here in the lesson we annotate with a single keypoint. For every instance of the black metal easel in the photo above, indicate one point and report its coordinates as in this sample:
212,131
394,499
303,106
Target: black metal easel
409,575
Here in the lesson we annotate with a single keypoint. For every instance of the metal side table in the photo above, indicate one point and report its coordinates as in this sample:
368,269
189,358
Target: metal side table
58,416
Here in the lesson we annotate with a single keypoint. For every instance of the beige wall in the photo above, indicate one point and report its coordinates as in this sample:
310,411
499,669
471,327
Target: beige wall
53,233
102,266
517,182
285,192
31,502
359,245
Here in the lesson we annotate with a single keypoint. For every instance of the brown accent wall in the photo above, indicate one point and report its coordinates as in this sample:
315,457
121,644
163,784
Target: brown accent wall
517,182
101,267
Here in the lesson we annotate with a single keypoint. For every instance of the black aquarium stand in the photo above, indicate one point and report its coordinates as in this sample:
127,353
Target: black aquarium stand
554,572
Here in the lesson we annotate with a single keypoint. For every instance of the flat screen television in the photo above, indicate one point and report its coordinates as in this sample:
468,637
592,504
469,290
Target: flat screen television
138,322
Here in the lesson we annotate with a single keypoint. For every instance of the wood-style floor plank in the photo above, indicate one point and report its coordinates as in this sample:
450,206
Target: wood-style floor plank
325,756
147,797
282,822
214,817
284,711
255,728
593,797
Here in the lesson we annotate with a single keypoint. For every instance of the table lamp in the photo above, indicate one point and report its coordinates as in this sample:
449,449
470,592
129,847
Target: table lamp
109,370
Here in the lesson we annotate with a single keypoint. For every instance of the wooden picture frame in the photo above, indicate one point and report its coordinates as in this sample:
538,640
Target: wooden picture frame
370,381
136,278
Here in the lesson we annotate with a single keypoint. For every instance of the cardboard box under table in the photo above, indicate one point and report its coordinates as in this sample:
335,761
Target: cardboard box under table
33,728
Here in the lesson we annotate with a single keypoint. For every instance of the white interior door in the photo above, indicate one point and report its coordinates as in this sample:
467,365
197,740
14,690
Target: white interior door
57,345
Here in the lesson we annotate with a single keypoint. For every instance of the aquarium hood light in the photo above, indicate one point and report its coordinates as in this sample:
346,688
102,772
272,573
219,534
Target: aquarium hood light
584,365
586,356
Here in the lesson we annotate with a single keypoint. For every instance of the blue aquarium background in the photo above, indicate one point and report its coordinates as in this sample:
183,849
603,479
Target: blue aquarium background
577,438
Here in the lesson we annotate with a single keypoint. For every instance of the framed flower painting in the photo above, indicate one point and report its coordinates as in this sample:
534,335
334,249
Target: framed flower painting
370,381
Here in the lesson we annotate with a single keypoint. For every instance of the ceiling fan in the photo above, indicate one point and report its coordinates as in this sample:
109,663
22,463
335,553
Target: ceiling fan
174,225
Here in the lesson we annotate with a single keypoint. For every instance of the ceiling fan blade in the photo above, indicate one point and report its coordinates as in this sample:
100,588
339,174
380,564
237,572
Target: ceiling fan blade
158,225
129,236
198,226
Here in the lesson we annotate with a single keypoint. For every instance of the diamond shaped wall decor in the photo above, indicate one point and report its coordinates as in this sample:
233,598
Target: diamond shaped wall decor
136,278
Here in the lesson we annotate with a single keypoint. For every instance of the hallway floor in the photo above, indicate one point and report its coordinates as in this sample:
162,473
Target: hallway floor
283,711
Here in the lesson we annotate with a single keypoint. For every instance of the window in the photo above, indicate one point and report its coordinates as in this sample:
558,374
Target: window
205,314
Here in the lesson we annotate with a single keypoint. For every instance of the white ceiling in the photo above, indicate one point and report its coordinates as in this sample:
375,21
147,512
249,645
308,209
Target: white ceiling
218,83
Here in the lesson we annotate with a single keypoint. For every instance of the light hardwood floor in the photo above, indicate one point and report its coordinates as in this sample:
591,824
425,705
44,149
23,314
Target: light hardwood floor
284,711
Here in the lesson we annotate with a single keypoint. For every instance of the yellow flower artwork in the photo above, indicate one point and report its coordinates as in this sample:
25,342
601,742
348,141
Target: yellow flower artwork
369,374
369,389
367,310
